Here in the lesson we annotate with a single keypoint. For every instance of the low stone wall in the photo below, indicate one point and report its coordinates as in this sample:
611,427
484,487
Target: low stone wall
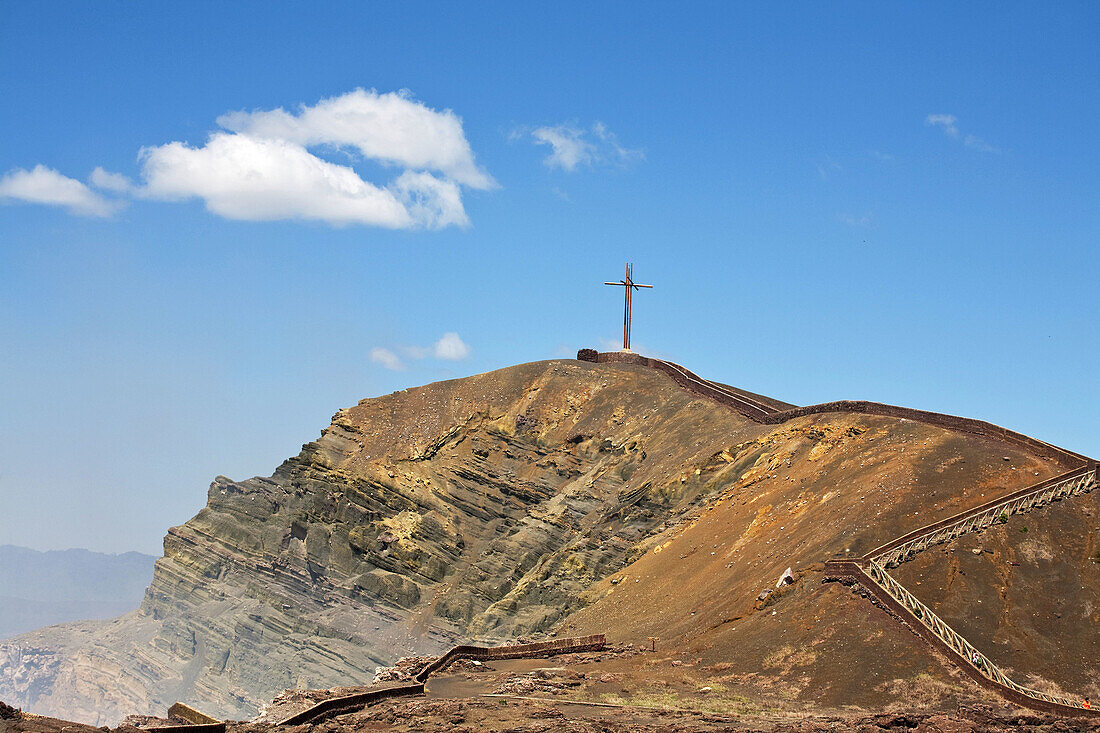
514,651
758,412
1061,456
690,381
338,705
203,728
188,713
196,722
349,703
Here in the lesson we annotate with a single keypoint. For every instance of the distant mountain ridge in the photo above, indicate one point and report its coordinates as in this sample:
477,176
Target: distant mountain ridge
44,588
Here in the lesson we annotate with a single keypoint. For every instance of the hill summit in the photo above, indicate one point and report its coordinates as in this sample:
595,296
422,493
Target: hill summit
611,495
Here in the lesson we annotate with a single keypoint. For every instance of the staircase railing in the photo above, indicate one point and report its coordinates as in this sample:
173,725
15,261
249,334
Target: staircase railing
1072,483
963,648
872,571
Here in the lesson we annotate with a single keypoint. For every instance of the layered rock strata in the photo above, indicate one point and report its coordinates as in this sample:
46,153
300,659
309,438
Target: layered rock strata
474,509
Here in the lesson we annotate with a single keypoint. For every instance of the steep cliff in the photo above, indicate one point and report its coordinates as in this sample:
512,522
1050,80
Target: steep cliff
474,508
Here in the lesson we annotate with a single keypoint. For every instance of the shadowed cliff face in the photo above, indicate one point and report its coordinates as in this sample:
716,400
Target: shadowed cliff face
478,508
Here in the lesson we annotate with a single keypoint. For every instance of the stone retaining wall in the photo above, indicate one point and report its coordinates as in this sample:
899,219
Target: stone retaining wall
338,705
1061,456
746,405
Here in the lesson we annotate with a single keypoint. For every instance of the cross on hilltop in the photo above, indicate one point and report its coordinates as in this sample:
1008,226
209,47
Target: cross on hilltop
629,285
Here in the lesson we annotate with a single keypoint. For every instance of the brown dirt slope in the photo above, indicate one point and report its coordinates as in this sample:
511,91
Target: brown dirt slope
1030,599
807,490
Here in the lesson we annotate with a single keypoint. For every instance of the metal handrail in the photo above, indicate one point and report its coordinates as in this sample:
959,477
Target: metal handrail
928,618
1079,481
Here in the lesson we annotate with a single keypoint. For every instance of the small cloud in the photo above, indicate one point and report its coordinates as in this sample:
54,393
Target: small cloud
620,155
107,181
42,185
386,358
882,157
573,147
450,347
570,149
949,124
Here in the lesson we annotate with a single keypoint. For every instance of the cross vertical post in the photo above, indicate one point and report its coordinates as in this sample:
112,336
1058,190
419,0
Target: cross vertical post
628,285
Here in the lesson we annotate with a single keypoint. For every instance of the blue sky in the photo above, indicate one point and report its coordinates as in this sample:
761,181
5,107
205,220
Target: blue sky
894,202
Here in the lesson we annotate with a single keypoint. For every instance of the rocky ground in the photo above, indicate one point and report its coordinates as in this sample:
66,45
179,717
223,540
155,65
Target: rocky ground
537,716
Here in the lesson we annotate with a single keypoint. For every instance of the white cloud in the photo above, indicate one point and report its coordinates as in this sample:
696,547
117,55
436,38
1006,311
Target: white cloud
42,185
450,347
572,147
241,177
431,202
392,128
266,166
949,123
619,154
386,358
110,181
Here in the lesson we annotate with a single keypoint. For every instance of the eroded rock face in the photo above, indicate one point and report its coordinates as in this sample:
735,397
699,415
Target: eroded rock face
579,497
479,508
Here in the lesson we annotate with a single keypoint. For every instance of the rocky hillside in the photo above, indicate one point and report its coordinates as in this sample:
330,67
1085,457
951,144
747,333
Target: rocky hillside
808,490
481,507
560,496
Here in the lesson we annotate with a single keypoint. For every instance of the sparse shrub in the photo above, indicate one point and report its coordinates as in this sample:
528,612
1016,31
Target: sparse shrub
1023,530
1003,519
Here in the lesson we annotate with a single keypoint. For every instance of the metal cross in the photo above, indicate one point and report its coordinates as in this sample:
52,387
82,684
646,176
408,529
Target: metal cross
629,284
